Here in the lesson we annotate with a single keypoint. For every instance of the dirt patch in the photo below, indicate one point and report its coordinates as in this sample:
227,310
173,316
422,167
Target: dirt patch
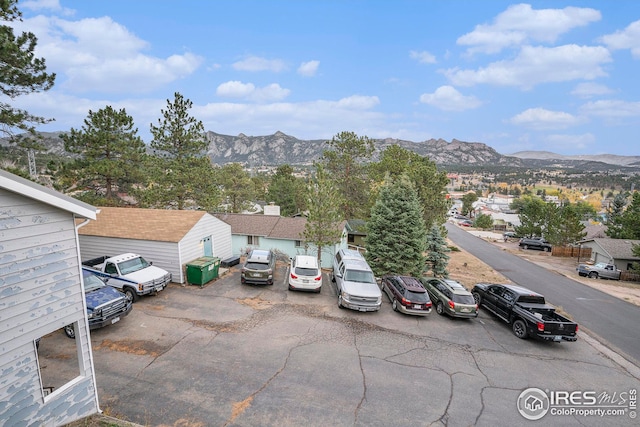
240,407
257,303
137,347
469,270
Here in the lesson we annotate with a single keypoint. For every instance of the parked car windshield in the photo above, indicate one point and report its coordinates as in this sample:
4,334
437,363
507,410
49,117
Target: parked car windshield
463,299
359,276
131,265
91,282
300,271
256,266
416,297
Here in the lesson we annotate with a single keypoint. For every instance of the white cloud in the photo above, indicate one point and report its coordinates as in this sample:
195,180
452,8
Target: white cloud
309,68
255,63
520,24
629,38
590,89
235,89
542,119
423,57
248,91
358,102
449,99
53,5
98,54
536,65
612,108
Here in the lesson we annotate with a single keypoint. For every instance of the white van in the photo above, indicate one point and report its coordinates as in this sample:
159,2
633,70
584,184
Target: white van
355,282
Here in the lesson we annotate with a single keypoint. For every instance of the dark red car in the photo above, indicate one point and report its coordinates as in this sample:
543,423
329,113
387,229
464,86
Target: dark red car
407,295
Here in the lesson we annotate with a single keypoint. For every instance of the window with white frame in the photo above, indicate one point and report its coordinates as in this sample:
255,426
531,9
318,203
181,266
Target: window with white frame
253,240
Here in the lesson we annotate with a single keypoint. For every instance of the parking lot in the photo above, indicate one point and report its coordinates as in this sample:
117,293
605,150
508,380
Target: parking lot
238,355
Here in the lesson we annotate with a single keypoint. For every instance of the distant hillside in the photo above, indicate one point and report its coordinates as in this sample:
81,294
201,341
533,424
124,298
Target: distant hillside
611,159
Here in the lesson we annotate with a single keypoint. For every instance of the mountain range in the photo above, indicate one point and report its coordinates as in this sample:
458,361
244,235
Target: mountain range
280,148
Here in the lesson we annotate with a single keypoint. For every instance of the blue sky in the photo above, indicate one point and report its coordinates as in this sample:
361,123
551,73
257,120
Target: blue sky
559,76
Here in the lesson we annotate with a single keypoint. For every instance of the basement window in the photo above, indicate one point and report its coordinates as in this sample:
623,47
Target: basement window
58,362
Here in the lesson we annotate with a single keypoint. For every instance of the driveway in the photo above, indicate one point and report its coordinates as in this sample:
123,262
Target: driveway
235,355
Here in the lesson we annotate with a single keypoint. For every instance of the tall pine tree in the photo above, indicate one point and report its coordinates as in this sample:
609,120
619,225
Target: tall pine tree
182,176
325,213
110,152
396,233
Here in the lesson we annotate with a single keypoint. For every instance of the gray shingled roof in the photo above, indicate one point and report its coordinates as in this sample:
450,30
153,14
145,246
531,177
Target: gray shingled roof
620,249
275,227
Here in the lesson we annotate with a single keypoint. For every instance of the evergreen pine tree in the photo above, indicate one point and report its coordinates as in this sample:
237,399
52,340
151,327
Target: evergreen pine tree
437,259
396,233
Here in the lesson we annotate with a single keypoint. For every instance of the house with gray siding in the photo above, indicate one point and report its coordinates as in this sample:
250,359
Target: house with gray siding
168,238
284,235
612,251
41,291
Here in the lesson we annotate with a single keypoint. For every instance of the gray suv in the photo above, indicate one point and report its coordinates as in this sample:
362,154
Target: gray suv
259,267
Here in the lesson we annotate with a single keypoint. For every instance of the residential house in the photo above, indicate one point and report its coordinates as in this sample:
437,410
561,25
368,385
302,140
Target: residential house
281,234
612,251
41,291
168,238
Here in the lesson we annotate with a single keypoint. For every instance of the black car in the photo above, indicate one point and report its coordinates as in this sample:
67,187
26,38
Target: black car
535,243
407,295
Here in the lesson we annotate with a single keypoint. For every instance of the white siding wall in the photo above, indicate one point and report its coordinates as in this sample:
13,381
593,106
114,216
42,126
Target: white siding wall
191,246
40,292
163,254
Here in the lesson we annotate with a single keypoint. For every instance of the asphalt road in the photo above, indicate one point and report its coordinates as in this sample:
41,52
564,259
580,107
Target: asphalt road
612,320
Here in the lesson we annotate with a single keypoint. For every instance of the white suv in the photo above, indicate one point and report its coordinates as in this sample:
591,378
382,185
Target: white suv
304,274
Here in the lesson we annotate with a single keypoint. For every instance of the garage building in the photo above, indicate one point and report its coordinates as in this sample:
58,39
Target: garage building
168,238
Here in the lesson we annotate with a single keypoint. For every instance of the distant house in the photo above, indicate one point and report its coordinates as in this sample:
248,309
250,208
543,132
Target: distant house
612,251
168,238
283,234
40,292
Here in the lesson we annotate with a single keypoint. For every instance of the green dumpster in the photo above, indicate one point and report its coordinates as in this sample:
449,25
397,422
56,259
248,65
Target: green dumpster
202,270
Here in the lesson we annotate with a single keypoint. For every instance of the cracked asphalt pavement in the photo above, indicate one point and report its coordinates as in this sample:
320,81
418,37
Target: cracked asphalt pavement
229,354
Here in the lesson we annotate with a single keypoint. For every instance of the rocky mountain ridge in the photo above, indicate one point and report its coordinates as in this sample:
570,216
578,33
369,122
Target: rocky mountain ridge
280,148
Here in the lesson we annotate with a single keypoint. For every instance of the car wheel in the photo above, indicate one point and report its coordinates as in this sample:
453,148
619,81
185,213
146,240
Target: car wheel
519,329
547,249
525,246
290,288
440,308
131,294
318,290
340,301
593,275
394,304
70,331
477,298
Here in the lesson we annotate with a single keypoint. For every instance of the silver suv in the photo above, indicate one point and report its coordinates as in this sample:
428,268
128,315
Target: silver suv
355,282
259,267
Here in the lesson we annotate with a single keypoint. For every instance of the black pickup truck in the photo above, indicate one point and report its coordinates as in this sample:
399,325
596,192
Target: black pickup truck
526,311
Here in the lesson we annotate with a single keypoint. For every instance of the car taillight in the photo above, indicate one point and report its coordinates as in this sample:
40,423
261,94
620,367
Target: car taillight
452,305
405,301
428,304
317,279
540,326
293,276
576,329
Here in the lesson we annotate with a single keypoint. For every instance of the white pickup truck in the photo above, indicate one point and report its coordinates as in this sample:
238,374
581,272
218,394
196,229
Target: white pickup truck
600,270
130,273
